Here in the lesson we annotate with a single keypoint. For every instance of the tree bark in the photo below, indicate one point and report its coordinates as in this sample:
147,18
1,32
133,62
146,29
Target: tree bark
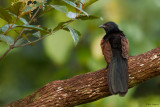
90,86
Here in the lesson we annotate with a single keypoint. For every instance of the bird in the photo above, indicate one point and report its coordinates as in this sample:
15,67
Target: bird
115,48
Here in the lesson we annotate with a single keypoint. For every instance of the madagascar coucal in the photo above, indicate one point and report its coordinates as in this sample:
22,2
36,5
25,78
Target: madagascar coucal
115,50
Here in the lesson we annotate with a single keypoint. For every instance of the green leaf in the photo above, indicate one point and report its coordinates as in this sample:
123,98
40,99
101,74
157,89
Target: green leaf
89,3
32,7
25,37
85,17
75,6
74,34
37,34
6,27
46,9
1,30
47,31
66,29
21,19
32,27
39,2
61,24
7,39
27,8
70,3
81,3
5,15
60,8
17,8
19,42
71,15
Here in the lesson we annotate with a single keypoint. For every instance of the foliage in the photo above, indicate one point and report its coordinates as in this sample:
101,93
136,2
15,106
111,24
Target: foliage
19,10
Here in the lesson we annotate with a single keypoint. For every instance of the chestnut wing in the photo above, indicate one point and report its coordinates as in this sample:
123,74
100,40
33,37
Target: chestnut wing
106,50
125,47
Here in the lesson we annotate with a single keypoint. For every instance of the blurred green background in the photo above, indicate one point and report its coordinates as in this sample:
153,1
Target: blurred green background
28,68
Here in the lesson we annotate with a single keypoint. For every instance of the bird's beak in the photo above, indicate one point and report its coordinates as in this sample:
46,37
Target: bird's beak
101,26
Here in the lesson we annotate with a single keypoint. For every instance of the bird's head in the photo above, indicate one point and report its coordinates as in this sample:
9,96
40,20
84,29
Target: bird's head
109,27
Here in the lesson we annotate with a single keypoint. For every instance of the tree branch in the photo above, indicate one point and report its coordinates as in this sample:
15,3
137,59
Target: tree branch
90,86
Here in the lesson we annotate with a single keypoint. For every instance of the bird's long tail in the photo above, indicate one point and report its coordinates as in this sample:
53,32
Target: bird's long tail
118,74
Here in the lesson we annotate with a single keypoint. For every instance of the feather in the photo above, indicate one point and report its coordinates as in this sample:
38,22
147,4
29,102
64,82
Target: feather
106,50
125,47
118,75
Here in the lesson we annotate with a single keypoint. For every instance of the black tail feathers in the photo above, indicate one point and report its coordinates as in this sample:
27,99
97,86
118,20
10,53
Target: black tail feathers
118,75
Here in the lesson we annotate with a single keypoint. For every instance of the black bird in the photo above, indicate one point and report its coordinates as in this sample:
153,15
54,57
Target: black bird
115,50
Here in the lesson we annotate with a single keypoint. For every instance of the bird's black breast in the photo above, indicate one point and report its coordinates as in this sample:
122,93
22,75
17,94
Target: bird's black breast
115,41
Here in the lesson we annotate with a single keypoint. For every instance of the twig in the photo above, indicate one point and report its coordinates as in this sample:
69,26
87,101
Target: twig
34,40
10,26
11,47
43,36
28,23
